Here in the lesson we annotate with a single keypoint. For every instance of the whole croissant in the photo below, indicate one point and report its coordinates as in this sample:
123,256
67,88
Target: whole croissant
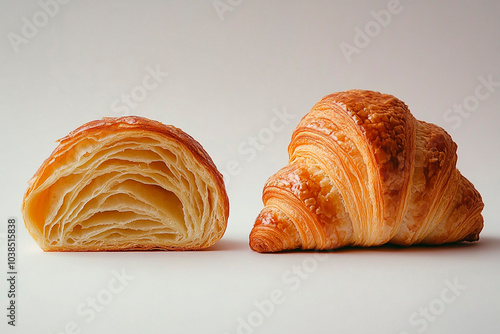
364,172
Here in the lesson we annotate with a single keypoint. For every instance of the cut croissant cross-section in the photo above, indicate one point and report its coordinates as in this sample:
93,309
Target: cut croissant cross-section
126,183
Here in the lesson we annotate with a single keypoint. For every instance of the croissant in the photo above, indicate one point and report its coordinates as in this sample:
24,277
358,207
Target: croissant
126,183
364,172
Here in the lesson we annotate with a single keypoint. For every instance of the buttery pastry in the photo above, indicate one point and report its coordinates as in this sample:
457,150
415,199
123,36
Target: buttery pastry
364,172
126,183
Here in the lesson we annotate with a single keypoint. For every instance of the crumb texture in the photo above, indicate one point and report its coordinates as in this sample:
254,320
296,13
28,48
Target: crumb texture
126,184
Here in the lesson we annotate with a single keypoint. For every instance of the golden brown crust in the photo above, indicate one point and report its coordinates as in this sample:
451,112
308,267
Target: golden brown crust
111,124
363,171
99,135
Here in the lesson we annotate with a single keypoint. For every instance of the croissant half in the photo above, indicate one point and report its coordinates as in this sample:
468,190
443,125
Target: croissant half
126,183
364,172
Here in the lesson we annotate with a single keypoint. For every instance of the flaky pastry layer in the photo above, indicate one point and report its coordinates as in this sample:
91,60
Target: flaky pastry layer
126,183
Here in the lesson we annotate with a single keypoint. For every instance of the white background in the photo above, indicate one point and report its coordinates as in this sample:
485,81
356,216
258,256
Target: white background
229,72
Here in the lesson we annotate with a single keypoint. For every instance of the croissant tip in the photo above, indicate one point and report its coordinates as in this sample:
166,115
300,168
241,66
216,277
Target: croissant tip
472,237
262,245
263,242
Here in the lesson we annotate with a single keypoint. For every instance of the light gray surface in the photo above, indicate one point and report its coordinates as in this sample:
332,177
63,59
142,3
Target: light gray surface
230,73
